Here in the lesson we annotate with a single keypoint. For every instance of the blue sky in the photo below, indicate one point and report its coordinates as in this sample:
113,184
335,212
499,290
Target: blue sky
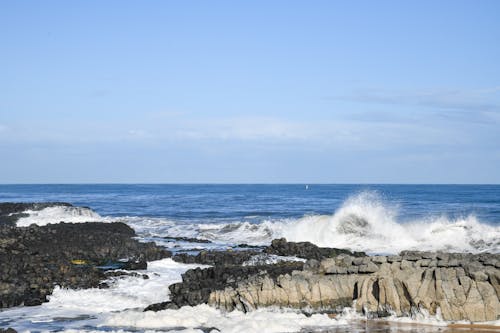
257,91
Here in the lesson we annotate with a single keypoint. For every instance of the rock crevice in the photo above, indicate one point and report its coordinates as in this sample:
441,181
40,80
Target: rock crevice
458,286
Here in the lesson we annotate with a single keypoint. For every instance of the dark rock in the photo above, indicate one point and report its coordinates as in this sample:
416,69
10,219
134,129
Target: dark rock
188,239
161,306
10,212
197,284
119,273
306,250
34,259
8,330
135,265
248,246
223,258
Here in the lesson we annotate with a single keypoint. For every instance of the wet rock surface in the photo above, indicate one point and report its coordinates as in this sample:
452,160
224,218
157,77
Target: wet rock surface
10,212
8,330
458,286
280,247
35,259
187,239
305,250
198,284
216,258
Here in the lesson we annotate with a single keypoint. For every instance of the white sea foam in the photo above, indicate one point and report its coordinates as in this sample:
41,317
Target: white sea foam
421,317
204,316
124,293
58,214
366,223
188,330
363,223
267,259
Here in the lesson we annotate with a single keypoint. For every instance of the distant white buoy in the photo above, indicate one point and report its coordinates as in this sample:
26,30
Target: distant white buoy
307,187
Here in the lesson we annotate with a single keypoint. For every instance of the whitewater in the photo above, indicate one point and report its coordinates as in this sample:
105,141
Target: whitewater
356,219
363,223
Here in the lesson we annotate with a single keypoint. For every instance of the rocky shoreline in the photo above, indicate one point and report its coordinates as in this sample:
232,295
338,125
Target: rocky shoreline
10,212
455,286
461,286
34,259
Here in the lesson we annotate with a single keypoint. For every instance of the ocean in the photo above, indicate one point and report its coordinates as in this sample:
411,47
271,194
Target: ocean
378,219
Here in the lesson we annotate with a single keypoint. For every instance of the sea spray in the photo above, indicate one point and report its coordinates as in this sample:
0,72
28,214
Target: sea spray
204,316
364,222
58,214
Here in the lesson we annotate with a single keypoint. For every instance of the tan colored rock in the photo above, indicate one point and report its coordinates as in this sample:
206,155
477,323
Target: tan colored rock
469,293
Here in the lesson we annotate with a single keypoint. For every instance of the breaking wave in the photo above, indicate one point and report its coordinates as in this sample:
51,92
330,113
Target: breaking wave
363,223
58,214
366,223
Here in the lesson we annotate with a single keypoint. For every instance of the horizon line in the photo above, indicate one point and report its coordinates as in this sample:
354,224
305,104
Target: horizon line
240,183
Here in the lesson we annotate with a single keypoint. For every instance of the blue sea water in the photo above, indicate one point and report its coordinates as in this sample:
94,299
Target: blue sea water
210,203
371,218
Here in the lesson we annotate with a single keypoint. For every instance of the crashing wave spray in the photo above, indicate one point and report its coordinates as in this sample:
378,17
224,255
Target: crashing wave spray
365,223
58,214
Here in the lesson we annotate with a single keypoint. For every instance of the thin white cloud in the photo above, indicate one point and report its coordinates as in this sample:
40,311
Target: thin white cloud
486,99
139,133
341,134
246,129
331,134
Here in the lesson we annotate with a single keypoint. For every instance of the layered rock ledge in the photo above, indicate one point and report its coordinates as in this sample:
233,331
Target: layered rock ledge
233,268
455,286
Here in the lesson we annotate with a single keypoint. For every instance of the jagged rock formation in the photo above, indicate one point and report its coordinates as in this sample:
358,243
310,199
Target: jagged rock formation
34,259
306,250
216,258
280,247
460,286
198,284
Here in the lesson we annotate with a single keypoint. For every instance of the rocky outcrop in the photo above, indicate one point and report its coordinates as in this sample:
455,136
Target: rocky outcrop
187,239
458,286
305,250
34,259
10,212
232,267
216,258
280,247
8,330
198,284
